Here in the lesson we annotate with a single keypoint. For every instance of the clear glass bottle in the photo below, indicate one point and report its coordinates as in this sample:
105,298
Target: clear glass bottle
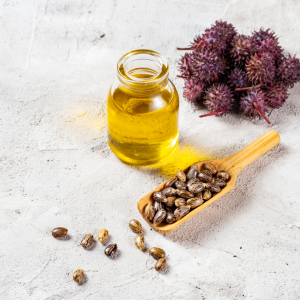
142,109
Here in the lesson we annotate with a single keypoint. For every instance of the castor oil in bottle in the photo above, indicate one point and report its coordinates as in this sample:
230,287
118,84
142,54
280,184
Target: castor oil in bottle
142,109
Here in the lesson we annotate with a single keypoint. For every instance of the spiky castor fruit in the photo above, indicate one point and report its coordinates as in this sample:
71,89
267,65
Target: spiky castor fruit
288,71
218,99
276,95
238,79
242,49
270,46
261,68
206,66
185,65
261,35
254,104
193,91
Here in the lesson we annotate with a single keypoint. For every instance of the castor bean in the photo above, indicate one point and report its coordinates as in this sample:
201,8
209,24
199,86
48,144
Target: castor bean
139,241
168,192
181,176
135,226
206,194
223,175
220,182
171,182
199,195
156,253
102,235
180,185
159,196
207,172
78,276
214,188
204,177
87,241
181,211
160,264
170,218
111,250
210,167
196,188
158,206
149,212
180,201
185,194
194,202
159,217
192,181
192,173
59,232
170,201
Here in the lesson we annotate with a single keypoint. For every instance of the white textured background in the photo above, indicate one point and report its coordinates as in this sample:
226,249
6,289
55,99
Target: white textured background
56,168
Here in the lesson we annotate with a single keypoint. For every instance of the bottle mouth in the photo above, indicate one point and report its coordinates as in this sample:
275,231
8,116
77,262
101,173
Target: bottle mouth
142,68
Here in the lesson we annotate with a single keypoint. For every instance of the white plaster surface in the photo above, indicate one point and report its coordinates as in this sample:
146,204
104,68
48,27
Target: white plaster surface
56,168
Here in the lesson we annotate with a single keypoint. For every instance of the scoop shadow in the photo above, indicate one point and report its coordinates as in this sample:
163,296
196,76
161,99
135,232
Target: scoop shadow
216,215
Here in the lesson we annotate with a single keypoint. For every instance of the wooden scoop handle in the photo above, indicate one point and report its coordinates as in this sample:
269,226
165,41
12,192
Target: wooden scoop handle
249,154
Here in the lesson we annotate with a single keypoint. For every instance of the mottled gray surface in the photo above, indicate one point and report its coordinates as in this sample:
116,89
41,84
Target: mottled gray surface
56,67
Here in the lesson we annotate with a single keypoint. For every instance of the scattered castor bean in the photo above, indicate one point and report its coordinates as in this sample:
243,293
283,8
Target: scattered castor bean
180,202
206,194
158,206
159,197
78,276
102,235
170,218
170,201
192,173
171,182
185,194
204,177
210,167
59,232
156,253
111,250
168,192
160,264
139,241
192,181
180,185
136,226
223,175
87,241
181,211
220,182
181,176
194,202
196,188
149,212
159,217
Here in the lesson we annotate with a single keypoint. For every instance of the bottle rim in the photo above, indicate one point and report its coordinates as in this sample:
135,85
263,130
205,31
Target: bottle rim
158,62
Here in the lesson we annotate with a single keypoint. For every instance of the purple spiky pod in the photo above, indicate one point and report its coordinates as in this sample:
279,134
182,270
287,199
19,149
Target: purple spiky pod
207,66
254,104
193,91
238,79
261,35
276,95
242,49
185,66
194,44
270,46
288,71
227,30
261,68
218,99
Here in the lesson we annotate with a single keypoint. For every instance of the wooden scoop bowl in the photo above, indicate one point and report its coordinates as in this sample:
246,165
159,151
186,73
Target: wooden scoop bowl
233,164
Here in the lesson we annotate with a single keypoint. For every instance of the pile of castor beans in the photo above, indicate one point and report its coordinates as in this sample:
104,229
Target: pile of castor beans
185,192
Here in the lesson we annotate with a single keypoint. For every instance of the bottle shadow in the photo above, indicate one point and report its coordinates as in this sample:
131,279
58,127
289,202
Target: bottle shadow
216,215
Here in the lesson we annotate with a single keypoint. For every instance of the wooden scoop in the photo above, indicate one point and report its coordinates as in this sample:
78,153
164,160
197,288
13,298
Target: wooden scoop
233,164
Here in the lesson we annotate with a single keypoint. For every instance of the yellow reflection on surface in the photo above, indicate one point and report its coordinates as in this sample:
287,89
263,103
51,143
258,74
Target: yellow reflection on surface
183,156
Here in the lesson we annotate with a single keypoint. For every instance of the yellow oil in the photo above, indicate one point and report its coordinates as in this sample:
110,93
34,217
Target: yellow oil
143,121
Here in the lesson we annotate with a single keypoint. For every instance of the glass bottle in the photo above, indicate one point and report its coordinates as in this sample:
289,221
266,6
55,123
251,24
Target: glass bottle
142,109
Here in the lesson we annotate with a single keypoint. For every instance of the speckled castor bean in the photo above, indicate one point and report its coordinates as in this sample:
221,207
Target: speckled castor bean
171,201
157,253
158,206
180,202
170,218
220,182
210,167
185,194
159,197
135,226
223,175
206,194
180,185
168,192
59,232
196,188
160,264
78,276
87,241
192,173
149,212
181,211
139,241
111,250
159,217
181,176
205,178
194,202
170,182
102,235
192,181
